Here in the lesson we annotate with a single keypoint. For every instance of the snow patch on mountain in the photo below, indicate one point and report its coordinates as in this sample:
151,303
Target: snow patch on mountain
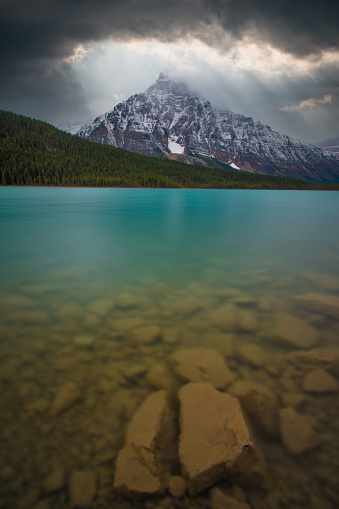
175,147
234,166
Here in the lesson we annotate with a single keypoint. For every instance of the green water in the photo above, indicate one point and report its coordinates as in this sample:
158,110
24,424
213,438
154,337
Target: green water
78,265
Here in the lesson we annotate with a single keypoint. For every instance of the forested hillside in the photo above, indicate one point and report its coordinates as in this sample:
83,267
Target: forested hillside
34,153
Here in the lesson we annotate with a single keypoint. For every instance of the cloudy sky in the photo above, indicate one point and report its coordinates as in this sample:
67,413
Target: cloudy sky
275,60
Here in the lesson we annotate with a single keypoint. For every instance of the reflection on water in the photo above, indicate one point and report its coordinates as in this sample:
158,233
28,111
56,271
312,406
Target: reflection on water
99,289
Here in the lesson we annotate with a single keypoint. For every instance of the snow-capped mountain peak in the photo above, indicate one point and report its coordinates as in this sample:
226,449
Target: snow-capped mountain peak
164,87
167,119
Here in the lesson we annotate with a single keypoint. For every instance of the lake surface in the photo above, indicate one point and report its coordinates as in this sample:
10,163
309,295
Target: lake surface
84,270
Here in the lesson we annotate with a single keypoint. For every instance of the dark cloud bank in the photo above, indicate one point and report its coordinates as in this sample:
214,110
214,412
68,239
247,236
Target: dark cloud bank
37,36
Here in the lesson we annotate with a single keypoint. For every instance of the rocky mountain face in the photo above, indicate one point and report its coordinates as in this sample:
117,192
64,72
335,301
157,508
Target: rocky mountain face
168,119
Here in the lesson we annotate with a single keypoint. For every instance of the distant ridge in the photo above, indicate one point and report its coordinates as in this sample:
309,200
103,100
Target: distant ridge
330,145
167,115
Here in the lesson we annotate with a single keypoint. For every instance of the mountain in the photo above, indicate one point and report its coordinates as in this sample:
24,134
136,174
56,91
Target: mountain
34,153
330,145
74,127
167,119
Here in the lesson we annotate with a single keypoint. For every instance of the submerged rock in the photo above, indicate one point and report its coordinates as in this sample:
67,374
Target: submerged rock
295,332
244,301
260,405
125,324
265,305
220,341
225,318
252,354
101,307
215,441
144,464
143,335
125,301
326,358
82,488
43,504
84,341
55,482
67,395
328,281
133,477
297,435
30,500
219,500
170,336
326,304
177,486
186,306
39,406
160,377
293,399
134,371
201,365
248,321
320,381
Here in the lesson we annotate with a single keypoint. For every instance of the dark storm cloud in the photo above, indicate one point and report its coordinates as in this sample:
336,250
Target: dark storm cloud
300,27
48,29
37,36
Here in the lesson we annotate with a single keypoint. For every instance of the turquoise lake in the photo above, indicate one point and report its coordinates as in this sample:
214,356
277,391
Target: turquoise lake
101,287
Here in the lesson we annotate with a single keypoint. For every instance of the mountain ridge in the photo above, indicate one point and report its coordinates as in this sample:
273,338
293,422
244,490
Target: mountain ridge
34,153
167,113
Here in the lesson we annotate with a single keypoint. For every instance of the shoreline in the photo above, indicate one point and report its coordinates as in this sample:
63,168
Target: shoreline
175,188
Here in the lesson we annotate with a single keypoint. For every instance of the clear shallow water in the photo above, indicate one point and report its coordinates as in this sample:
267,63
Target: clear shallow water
66,257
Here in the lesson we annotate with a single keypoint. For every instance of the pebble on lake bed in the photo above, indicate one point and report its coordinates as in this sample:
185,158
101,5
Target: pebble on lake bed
225,318
84,341
325,358
320,381
326,304
177,486
201,365
125,301
143,335
134,371
43,504
252,354
297,435
82,488
219,500
248,321
260,404
160,377
101,307
295,332
39,406
328,281
54,482
67,395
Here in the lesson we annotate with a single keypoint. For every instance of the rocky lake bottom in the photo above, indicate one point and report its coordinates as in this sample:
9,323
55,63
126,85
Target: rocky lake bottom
249,361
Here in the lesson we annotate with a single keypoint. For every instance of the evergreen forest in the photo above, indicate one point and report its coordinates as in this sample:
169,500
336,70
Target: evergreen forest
34,153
